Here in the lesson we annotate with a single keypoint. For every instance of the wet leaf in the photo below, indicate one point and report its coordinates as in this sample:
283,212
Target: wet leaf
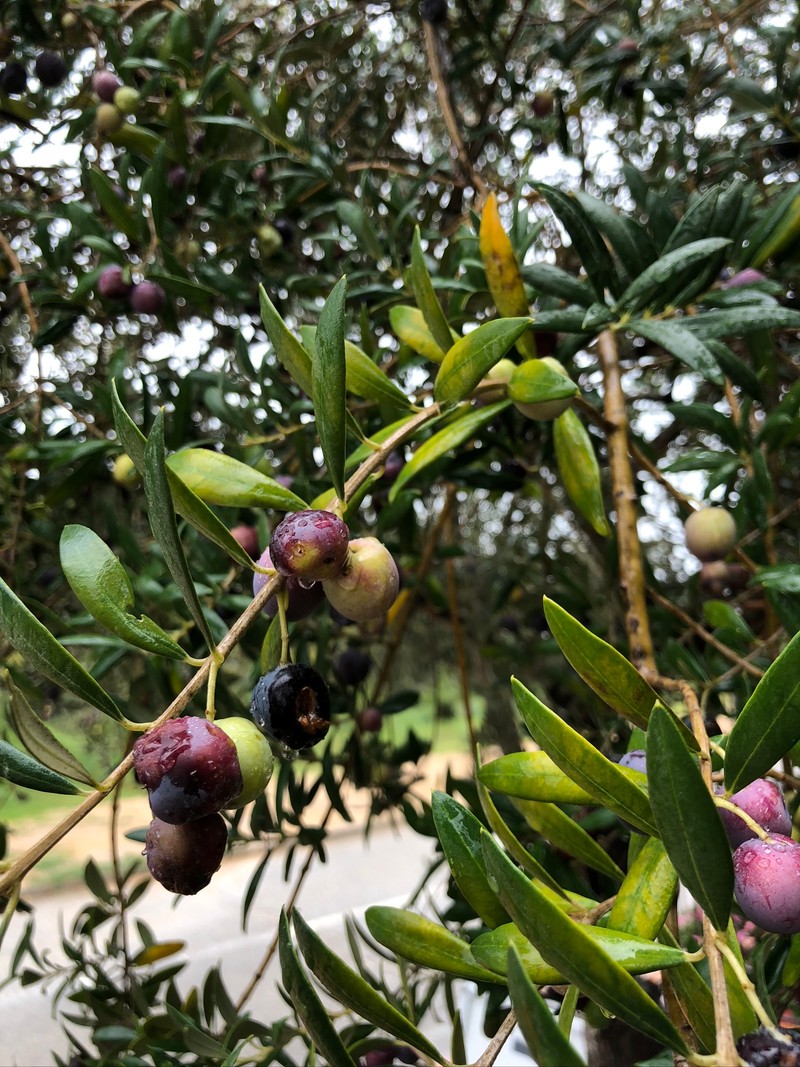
687,819
653,286
44,653
422,941
307,1004
458,831
579,469
23,770
410,327
473,356
364,378
328,377
532,776
543,1036
645,897
587,767
586,239
40,741
681,343
425,295
225,481
101,583
355,992
769,723
566,946
566,835
291,354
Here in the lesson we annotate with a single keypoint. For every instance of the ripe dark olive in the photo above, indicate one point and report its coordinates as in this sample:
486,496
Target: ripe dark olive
105,84
285,228
370,720
176,177
50,69
301,597
183,858
310,544
112,284
190,768
247,536
13,79
763,801
352,666
148,298
766,1049
291,705
767,883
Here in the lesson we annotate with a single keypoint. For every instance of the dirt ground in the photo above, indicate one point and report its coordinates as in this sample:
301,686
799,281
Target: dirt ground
91,839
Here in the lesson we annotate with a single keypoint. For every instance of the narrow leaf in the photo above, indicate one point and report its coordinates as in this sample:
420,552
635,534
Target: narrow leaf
567,947
44,653
653,287
40,741
578,758
162,522
291,354
469,360
459,833
306,1003
225,481
535,382
586,239
680,342
648,892
579,469
549,1046
101,583
328,376
687,819
22,770
354,991
566,835
502,271
769,723
532,776
605,671
739,320
422,941
425,295
363,376
458,431
111,204
410,326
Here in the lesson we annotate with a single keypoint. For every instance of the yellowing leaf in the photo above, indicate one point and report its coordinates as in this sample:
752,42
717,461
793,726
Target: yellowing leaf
502,271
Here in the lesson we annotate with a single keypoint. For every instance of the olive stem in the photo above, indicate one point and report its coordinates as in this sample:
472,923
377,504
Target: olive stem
748,820
726,1043
282,597
747,987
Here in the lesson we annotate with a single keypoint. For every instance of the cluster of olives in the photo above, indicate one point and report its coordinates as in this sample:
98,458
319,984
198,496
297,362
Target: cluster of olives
193,768
313,552
145,297
710,535
115,101
49,67
766,869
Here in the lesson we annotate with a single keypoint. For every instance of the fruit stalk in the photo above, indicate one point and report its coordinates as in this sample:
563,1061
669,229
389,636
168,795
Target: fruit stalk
631,575
726,1043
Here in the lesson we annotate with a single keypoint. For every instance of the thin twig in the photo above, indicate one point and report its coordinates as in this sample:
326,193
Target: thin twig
495,1046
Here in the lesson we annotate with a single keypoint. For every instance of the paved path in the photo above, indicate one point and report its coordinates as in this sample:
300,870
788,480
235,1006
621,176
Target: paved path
384,869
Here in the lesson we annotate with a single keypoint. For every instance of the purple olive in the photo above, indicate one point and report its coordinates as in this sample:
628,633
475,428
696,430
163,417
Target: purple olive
301,597
763,801
184,857
148,298
767,883
310,544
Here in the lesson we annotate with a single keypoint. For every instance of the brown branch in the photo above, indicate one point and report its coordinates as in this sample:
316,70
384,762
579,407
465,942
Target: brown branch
24,291
458,632
631,571
495,1046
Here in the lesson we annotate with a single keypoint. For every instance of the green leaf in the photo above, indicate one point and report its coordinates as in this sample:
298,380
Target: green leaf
354,992
40,741
687,819
410,326
291,354
678,340
363,376
567,836
547,278
44,653
111,204
586,240
605,671
739,320
532,776
328,376
579,469
426,298
305,1001
769,723
461,429
424,942
548,1045
567,947
22,770
101,583
162,522
459,831
654,286
578,758
469,360
648,892
225,481
534,382
636,954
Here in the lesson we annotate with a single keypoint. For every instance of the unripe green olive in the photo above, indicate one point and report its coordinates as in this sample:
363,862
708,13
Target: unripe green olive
255,757
108,118
269,240
710,533
547,409
126,100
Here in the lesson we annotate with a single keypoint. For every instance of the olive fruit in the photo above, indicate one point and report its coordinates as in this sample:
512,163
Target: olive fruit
13,79
247,536
112,283
269,240
125,472
291,705
770,1048
189,767
50,69
767,882
542,104
546,409
255,758
710,533
302,597
311,545
370,720
176,177
148,298
105,84
748,276
763,801
184,857
368,584
352,666
108,119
